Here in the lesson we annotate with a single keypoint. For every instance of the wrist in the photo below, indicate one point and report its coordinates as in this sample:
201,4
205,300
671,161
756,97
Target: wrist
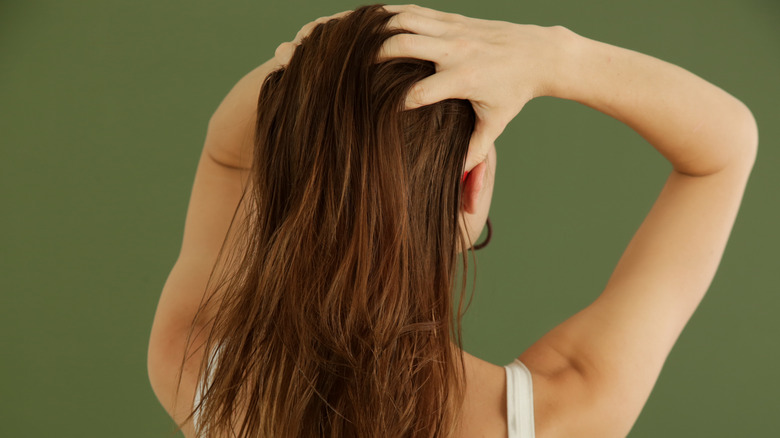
567,64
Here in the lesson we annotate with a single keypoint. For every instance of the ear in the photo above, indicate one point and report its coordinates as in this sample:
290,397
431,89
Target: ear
473,188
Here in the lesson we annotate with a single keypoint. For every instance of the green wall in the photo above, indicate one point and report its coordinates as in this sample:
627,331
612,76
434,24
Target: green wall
104,107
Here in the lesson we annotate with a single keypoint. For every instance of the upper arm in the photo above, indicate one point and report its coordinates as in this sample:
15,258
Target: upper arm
216,196
214,199
597,368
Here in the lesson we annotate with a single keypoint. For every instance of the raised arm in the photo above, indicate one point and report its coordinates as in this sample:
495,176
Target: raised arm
230,136
594,372
614,349
697,126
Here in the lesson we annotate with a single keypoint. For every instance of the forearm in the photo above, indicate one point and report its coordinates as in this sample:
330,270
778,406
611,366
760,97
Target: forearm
697,126
230,135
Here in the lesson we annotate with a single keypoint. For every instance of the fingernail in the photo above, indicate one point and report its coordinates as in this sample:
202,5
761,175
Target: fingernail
465,174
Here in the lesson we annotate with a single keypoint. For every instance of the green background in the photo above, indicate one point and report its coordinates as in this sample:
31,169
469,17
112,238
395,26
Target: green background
104,107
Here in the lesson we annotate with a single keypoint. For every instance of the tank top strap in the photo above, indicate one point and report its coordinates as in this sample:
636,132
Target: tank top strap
213,359
519,400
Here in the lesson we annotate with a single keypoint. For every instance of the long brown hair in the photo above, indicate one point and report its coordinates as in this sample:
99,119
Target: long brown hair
335,317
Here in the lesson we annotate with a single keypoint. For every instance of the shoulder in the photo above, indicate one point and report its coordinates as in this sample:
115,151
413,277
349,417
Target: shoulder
558,396
484,408
485,379
566,403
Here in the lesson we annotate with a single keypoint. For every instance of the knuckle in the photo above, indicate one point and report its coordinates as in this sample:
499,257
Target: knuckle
460,42
282,48
459,26
418,94
457,18
405,41
403,19
397,21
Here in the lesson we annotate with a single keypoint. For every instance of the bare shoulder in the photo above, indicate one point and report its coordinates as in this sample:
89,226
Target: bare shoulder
484,410
560,392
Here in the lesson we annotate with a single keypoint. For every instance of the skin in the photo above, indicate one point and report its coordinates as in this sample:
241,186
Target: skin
477,195
593,373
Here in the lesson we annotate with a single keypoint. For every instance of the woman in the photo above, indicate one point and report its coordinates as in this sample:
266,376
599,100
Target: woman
329,311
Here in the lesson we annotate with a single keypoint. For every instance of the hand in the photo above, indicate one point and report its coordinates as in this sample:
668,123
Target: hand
284,51
498,66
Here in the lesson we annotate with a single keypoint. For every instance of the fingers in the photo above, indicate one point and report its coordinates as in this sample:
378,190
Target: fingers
426,12
419,24
284,51
482,138
409,45
415,19
306,30
443,85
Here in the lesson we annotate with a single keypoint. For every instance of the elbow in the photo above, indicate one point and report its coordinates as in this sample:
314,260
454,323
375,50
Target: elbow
741,140
748,135
729,142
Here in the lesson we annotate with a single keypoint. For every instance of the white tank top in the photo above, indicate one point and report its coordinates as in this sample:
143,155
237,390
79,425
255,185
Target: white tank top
519,401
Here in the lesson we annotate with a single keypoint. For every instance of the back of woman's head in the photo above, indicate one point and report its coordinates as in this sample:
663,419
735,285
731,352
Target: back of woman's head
336,316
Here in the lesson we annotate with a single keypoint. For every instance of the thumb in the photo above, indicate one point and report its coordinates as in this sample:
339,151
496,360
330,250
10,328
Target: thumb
479,144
